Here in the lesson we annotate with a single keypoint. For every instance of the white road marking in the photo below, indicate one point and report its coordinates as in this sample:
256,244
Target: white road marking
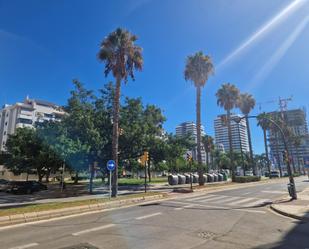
148,216
214,198
259,202
227,199
242,201
252,211
178,208
247,193
189,206
202,197
93,229
25,246
274,192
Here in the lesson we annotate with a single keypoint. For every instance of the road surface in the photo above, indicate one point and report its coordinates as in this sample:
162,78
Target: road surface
235,218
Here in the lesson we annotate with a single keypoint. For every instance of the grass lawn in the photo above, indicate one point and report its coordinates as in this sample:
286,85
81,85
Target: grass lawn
135,181
58,205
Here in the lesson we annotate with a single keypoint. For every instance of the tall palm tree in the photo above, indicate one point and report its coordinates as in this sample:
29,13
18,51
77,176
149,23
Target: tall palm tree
227,97
264,123
122,57
198,69
208,143
246,103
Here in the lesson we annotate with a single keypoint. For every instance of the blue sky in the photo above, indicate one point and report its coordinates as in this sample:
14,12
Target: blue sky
261,46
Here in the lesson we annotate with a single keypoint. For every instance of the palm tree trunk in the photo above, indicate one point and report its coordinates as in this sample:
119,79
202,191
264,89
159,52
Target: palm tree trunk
116,136
266,151
198,129
278,157
229,132
250,146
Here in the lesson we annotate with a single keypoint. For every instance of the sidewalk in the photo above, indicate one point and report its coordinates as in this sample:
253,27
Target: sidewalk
298,209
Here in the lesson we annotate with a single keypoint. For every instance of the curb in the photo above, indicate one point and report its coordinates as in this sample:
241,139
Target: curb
45,215
284,213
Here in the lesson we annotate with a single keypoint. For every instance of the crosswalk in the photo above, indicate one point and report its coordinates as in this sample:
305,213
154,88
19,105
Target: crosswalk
230,201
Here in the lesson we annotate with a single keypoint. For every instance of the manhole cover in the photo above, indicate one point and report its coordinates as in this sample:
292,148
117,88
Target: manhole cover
81,246
206,235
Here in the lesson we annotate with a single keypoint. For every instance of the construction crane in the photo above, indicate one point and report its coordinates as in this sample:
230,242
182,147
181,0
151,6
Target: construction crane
283,103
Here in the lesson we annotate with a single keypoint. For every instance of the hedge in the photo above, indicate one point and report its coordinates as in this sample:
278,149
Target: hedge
242,179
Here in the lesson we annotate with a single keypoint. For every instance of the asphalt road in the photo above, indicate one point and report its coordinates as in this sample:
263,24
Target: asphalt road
235,218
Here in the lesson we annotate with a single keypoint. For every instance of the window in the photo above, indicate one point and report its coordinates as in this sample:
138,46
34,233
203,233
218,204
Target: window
4,133
24,121
6,123
47,115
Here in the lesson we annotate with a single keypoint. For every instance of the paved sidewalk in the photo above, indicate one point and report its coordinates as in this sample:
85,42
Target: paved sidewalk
298,209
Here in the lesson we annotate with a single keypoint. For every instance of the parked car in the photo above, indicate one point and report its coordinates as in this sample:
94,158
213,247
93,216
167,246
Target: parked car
4,185
248,173
274,174
28,187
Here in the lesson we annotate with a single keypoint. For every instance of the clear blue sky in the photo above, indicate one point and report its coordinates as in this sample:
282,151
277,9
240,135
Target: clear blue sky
45,44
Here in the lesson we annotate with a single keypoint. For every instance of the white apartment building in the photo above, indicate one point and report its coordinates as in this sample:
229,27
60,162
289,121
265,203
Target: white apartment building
238,130
189,128
26,114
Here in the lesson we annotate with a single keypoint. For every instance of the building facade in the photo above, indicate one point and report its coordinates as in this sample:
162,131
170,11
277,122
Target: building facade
296,120
238,131
26,114
189,128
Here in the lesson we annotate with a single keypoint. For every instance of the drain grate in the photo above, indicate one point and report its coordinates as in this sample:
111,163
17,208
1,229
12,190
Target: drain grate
206,235
81,246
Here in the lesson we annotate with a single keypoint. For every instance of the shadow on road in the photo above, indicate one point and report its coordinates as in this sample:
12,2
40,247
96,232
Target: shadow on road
297,238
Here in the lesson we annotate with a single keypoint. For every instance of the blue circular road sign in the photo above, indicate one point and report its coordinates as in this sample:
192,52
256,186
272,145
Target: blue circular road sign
111,165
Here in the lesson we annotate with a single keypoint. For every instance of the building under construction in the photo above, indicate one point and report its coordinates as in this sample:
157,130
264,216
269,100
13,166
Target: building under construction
296,122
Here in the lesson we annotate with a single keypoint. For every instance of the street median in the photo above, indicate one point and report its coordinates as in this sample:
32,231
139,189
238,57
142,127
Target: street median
38,212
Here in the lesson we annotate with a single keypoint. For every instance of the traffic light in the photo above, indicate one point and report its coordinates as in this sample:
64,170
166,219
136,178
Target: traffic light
146,155
285,156
189,157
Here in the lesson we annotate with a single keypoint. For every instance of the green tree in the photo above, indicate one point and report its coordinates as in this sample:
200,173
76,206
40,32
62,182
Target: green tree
227,97
198,69
121,57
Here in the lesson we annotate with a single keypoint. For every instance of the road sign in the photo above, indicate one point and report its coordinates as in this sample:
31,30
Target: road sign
306,162
111,165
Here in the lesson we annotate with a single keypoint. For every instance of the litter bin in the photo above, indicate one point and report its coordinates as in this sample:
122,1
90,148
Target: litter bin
181,179
172,180
210,178
187,178
195,178
220,177
215,177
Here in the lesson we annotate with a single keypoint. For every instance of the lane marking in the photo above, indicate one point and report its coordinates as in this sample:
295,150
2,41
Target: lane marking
242,201
148,216
25,246
178,208
202,197
214,198
274,192
228,199
189,206
93,229
247,193
259,202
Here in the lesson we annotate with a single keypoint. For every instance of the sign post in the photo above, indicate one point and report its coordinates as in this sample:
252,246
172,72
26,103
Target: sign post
110,166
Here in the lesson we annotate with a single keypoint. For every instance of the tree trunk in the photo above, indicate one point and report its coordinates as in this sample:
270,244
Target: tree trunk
116,136
266,151
76,177
229,132
207,159
198,131
250,146
278,156
241,152
47,176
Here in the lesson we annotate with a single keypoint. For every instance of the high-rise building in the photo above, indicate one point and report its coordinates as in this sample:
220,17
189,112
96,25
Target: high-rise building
238,132
189,128
26,114
297,122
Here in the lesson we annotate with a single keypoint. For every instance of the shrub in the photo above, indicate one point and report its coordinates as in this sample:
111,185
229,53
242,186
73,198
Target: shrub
243,179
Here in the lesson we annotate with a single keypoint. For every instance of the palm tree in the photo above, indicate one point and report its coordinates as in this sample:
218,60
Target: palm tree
208,143
198,69
246,103
227,97
264,123
121,56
